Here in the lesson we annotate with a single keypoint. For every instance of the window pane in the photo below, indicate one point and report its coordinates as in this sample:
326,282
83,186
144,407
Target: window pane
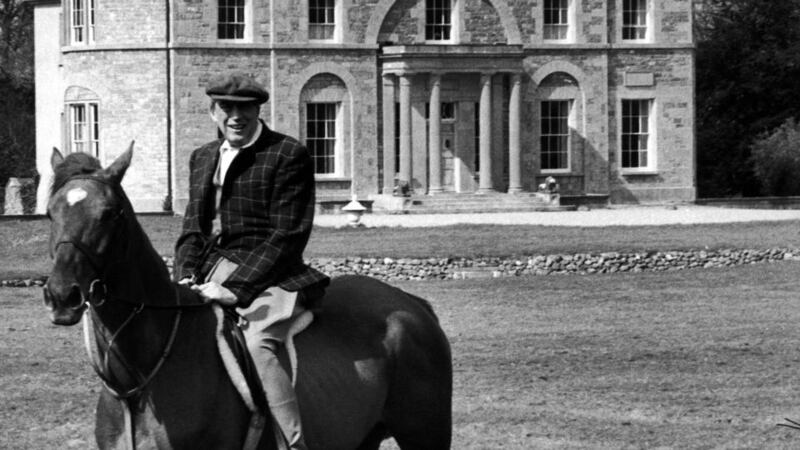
321,22
556,19
634,19
438,21
230,19
321,136
83,127
78,21
635,133
554,137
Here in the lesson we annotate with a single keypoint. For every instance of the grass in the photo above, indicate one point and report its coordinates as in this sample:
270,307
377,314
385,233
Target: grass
24,243
688,359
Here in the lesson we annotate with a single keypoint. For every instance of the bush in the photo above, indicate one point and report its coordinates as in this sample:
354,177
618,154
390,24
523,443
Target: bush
775,157
17,133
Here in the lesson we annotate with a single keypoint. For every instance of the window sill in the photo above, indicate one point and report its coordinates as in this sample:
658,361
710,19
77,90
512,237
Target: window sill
325,41
627,173
235,41
427,42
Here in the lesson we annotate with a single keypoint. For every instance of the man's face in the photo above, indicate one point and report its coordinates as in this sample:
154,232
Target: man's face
237,121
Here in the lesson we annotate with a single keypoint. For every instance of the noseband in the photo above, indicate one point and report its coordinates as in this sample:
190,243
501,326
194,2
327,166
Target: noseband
98,294
98,290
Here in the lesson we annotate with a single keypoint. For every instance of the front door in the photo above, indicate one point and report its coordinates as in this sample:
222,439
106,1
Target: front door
448,152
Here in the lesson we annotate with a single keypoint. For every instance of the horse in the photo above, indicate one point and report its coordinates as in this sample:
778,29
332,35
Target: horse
374,363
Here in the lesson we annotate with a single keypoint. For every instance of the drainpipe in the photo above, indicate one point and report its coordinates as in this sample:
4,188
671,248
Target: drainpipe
168,203
272,61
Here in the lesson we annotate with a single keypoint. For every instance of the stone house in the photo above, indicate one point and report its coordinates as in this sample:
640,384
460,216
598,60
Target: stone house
598,94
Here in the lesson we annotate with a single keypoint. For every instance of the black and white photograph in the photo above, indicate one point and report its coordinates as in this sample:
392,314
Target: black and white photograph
399,224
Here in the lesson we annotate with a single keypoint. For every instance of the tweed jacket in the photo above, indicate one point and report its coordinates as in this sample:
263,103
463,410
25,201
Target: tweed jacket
266,212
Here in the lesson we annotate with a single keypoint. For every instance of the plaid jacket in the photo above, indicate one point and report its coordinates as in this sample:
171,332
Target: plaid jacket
266,211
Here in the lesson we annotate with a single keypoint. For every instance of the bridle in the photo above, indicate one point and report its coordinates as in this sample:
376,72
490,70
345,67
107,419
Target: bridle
98,294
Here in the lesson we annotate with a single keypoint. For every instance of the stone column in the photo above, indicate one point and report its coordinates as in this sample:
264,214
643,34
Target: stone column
485,130
405,129
514,152
435,135
389,170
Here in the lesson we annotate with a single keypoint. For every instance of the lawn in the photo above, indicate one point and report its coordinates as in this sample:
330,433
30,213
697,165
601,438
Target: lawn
701,358
24,243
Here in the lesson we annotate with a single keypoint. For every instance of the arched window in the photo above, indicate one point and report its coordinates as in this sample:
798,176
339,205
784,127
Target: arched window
82,109
558,97
324,111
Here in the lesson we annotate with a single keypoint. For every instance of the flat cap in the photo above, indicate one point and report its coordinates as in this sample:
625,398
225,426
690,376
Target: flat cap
236,87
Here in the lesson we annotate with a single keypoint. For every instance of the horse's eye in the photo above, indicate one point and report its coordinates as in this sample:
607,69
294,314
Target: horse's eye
108,215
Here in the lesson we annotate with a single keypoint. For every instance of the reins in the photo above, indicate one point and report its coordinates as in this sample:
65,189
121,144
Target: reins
101,371
99,294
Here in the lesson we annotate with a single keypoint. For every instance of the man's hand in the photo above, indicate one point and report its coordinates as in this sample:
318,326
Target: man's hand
214,292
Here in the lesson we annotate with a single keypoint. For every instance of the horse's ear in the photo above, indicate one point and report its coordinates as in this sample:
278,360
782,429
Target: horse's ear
56,158
117,169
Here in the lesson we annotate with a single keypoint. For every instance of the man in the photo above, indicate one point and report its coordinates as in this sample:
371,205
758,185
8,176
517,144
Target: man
253,190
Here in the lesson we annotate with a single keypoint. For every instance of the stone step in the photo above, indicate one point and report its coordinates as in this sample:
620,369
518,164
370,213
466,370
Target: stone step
447,203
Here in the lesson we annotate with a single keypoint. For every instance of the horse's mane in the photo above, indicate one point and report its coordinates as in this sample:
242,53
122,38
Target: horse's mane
74,164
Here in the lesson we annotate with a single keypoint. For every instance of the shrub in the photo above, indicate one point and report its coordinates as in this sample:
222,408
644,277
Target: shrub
775,156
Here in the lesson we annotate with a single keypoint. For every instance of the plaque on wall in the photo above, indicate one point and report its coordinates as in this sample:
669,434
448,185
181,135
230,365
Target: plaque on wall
633,79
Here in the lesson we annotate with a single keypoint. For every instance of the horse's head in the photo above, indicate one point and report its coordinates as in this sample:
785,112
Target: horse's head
87,209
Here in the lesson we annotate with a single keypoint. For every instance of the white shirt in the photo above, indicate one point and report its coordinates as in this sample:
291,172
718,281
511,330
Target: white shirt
227,153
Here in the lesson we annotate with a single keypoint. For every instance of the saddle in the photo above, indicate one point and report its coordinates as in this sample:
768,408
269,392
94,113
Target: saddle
238,362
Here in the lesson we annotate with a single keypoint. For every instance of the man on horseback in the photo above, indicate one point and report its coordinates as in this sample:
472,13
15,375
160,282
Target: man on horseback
248,220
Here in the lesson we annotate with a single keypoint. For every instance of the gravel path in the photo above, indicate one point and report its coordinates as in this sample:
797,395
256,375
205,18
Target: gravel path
613,216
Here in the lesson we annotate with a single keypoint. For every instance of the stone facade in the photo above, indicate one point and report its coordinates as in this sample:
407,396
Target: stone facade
148,63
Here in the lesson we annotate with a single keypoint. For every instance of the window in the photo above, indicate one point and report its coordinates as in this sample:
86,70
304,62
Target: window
82,21
230,19
84,128
438,20
637,139
321,20
321,135
554,137
556,20
447,111
634,20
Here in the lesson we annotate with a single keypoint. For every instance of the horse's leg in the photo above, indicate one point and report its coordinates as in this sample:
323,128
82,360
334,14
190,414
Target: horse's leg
418,409
109,422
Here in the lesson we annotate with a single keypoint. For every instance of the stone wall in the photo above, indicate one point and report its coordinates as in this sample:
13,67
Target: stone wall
124,22
130,89
394,269
672,91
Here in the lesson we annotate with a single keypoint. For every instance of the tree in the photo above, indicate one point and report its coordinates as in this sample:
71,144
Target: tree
17,109
776,159
748,78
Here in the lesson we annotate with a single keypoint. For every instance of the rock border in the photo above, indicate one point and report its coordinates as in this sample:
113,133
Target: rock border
394,269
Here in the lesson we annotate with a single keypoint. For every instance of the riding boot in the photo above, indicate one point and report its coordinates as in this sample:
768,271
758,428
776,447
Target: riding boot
280,393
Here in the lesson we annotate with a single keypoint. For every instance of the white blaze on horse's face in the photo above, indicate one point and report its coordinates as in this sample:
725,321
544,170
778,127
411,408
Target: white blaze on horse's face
75,195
